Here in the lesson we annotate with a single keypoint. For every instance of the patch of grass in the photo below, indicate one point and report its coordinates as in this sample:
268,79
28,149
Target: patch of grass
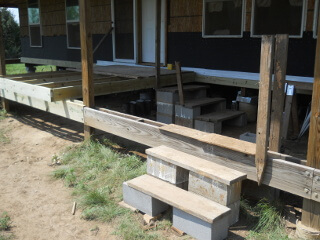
3,136
5,222
20,68
97,173
267,220
3,114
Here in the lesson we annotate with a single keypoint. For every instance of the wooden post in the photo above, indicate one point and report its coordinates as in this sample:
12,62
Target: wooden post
158,43
5,102
266,70
311,209
179,82
280,68
287,111
86,59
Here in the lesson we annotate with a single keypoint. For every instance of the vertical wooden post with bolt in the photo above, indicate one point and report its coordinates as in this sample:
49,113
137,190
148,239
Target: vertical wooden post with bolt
86,60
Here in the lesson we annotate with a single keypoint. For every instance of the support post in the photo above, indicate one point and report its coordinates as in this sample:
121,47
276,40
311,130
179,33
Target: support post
310,221
158,42
86,59
5,102
280,68
179,82
266,70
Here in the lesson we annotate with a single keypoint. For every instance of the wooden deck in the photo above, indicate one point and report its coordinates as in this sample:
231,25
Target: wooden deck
64,85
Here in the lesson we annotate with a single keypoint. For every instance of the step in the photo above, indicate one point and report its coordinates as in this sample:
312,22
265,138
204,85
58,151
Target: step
201,102
200,166
193,214
186,88
220,116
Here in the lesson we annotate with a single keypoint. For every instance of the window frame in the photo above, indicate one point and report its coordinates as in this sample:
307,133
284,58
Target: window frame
71,21
303,20
243,23
315,19
35,24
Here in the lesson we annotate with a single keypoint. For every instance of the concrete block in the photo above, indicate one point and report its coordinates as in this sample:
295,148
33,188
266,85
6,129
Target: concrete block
198,228
208,127
184,122
143,202
165,108
197,94
167,172
187,113
214,190
216,107
167,97
235,212
240,121
249,137
164,118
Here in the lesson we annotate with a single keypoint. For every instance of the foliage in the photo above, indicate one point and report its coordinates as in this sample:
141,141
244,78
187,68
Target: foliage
97,173
3,114
11,34
5,222
20,69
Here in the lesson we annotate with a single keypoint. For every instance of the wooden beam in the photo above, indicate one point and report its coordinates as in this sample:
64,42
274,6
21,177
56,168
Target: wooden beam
311,209
86,59
59,63
158,42
234,153
5,102
287,111
266,70
179,82
280,67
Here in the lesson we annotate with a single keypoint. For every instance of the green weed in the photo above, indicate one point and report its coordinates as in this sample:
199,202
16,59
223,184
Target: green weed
5,222
3,114
96,174
3,136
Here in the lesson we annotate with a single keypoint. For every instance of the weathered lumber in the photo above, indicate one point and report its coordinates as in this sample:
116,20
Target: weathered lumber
86,59
179,82
266,70
47,75
60,63
69,109
280,67
158,43
287,111
233,153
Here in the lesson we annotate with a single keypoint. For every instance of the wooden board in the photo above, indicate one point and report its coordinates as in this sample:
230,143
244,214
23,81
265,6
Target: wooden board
264,105
69,64
202,102
192,203
280,174
220,116
201,166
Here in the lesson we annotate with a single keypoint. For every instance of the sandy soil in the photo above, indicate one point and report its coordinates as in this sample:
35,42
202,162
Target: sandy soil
39,206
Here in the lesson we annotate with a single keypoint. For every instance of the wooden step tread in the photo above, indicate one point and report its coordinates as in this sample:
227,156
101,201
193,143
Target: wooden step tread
198,165
201,102
185,88
220,116
189,202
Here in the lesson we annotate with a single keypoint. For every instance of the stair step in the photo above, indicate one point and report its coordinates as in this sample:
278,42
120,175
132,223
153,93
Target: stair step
202,102
188,202
198,165
186,88
219,116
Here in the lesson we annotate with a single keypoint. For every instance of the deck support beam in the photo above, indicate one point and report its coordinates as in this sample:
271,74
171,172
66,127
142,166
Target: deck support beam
311,209
5,102
158,42
86,60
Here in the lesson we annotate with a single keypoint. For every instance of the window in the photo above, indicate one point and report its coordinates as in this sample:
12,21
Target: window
34,23
278,17
223,18
73,25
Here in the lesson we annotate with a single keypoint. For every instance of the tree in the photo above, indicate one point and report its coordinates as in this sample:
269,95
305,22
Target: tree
11,34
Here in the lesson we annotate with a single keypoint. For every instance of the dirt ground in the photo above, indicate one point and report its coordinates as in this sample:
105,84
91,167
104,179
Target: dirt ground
40,207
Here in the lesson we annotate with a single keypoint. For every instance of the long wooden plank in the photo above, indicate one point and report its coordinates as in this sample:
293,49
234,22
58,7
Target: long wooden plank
180,84
280,67
287,111
118,86
31,76
22,88
284,175
192,203
198,165
266,70
86,59
4,102
69,109
60,63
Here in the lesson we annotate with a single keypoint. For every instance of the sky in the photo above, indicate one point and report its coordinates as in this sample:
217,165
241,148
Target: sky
15,13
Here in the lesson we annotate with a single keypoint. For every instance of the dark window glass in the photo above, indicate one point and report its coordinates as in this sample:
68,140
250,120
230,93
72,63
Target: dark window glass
35,36
74,35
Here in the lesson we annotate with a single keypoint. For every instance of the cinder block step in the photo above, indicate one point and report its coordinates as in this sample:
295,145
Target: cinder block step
212,122
193,214
202,102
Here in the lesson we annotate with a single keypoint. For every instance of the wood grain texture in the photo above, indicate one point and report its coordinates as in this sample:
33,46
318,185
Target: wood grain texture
287,115
86,59
198,165
280,68
192,203
266,70
280,174
179,82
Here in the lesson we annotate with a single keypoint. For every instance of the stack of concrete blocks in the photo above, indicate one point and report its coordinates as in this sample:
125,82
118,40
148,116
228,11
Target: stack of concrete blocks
163,163
168,97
